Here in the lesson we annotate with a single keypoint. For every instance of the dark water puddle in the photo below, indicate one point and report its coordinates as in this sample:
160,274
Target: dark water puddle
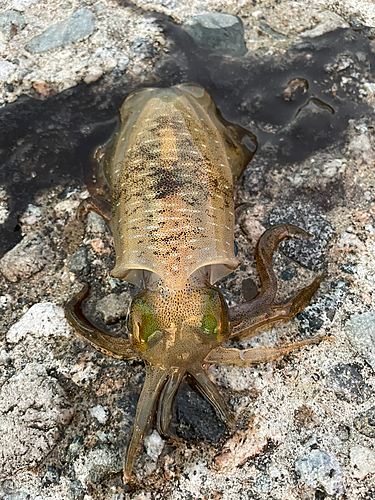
285,100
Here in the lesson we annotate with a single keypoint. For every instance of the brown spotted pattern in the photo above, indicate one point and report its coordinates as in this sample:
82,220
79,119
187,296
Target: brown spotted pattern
172,187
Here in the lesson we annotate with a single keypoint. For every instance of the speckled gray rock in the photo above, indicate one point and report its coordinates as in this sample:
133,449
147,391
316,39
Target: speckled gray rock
309,253
315,316
365,423
78,26
113,307
362,461
346,380
329,21
43,319
262,484
320,468
95,224
11,22
78,262
100,462
27,258
17,495
221,33
7,71
143,48
33,409
360,330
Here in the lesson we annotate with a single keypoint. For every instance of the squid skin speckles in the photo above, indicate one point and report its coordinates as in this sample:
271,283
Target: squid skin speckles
171,168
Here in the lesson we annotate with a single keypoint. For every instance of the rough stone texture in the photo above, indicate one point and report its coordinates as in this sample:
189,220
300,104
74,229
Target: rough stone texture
222,33
7,71
360,330
346,379
78,262
365,422
113,307
10,22
78,26
329,22
27,258
320,468
33,409
143,48
95,224
4,212
99,463
362,460
46,320
323,312
309,253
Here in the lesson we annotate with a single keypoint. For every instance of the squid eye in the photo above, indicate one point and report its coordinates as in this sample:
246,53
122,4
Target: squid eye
209,324
147,326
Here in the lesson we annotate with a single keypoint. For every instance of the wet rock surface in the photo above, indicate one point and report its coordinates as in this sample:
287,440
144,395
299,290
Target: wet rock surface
304,424
221,33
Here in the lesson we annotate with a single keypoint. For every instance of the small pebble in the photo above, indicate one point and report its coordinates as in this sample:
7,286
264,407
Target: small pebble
362,461
100,413
349,268
78,263
360,330
365,422
320,468
288,274
113,307
154,445
219,32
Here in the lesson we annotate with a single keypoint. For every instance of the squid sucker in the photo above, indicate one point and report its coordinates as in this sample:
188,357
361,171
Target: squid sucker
171,168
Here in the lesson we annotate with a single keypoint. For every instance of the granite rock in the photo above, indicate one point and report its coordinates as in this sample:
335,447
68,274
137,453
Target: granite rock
320,468
11,22
78,262
78,26
33,410
27,258
360,331
221,33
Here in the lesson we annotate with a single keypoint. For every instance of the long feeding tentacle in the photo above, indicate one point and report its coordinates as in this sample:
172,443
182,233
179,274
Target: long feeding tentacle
155,379
112,346
209,390
250,326
165,407
263,254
